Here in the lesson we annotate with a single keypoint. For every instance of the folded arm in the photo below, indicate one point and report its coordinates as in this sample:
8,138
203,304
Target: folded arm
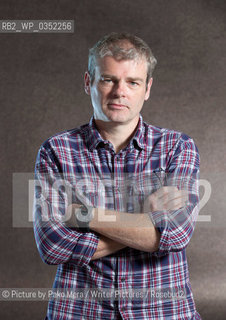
133,230
105,247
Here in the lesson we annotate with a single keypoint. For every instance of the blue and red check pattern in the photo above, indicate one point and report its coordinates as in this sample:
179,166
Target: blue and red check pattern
83,154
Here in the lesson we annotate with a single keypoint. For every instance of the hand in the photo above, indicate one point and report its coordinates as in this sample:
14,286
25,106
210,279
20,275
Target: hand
106,246
166,198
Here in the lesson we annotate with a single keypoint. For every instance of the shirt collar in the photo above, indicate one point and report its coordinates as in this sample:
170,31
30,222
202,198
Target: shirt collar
93,135
138,137
94,138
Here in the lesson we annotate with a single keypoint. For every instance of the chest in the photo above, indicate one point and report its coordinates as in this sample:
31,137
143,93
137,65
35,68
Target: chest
115,181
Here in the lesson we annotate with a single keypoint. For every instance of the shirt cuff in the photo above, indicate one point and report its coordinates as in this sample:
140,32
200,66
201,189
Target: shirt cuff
85,248
161,223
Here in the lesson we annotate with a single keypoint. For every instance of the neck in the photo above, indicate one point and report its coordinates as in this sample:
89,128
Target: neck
119,134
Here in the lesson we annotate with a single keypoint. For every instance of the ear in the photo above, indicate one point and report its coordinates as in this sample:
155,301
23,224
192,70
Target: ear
147,93
87,82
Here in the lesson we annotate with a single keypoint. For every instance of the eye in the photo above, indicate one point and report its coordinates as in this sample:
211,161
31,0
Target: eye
134,83
106,80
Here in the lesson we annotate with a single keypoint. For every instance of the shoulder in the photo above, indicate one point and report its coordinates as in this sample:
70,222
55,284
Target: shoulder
171,138
66,138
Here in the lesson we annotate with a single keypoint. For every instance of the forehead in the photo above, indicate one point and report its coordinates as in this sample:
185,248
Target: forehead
130,67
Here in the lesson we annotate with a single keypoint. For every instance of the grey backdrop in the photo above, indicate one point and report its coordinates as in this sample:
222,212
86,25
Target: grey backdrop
41,83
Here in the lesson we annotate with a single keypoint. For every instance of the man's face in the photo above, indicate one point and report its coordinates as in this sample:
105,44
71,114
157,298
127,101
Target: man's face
119,89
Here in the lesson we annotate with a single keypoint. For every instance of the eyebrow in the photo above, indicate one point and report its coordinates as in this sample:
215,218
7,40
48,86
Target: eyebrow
135,79
105,75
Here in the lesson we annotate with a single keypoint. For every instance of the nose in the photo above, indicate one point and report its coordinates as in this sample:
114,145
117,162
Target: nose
119,89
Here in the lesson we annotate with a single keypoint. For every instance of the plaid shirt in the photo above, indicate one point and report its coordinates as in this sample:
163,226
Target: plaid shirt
90,166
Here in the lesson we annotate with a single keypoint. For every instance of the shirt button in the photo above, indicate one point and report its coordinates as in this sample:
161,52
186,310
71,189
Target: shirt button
123,279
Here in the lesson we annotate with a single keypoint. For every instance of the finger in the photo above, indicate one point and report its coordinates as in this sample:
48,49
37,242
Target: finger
167,203
179,194
165,190
166,198
175,204
150,204
158,200
171,194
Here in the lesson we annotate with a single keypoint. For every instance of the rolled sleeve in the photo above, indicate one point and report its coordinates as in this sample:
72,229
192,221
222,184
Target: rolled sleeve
85,248
56,242
176,226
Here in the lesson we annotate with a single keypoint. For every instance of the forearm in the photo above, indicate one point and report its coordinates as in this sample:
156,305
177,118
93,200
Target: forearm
123,229
106,246
133,230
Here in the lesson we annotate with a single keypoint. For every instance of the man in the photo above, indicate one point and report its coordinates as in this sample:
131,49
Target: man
116,199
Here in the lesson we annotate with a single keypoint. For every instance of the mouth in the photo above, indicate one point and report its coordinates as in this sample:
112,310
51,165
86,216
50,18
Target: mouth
117,106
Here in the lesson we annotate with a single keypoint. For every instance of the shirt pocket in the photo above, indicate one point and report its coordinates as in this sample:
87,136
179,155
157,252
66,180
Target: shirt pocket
140,187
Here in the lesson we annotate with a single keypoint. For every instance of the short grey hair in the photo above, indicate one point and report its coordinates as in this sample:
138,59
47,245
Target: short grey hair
121,46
